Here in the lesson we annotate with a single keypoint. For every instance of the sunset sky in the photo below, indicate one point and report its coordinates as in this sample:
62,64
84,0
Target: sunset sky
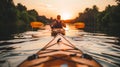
68,9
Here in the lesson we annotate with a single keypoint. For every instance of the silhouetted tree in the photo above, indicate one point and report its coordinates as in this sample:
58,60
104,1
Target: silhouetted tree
43,19
8,18
89,18
108,21
20,7
15,19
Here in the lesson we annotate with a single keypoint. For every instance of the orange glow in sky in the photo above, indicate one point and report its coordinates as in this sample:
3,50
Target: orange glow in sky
68,9
65,15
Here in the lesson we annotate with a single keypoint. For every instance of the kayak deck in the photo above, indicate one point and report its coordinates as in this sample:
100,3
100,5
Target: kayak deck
59,52
57,31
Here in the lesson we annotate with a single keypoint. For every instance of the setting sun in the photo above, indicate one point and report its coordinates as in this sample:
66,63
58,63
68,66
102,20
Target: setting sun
68,9
65,16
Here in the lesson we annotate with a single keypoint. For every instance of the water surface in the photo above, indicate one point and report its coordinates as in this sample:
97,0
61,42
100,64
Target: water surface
103,48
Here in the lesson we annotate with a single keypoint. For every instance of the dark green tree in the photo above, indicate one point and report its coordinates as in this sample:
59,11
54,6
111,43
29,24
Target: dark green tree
8,18
14,19
89,18
108,21
20,7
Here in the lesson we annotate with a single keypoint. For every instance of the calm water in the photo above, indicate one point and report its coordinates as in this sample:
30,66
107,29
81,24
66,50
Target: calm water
101,47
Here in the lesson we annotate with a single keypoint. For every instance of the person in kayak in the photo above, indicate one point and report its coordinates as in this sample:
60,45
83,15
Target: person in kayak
58,23
58,26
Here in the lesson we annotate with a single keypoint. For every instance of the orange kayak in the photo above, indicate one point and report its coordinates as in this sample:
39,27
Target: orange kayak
59,52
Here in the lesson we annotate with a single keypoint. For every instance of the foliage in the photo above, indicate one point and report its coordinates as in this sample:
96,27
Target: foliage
16,19
106,21
43,19
8,18
88,17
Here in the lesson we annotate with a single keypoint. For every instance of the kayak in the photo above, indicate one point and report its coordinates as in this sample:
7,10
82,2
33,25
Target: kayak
55,31
60,52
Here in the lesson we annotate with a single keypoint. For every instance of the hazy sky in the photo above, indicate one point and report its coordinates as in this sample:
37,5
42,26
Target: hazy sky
66,8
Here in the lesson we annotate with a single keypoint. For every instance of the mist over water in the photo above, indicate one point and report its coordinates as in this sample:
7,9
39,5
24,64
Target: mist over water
103,48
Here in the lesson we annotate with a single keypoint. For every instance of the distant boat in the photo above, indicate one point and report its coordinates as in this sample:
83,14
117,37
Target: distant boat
59,52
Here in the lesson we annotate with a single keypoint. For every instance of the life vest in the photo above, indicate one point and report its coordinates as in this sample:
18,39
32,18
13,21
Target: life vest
58,24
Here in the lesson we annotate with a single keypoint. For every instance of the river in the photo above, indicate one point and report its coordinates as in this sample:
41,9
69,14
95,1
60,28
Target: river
103,48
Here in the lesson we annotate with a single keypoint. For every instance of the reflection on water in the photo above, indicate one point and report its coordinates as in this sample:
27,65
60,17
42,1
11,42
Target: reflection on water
101,47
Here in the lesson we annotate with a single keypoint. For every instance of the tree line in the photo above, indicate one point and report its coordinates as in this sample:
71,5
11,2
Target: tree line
16,18
107,21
